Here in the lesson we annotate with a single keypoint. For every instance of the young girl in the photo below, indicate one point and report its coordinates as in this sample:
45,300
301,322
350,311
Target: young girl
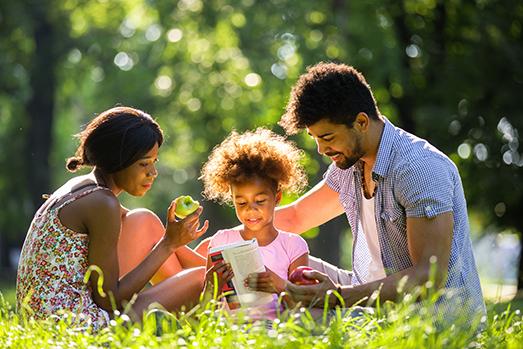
82,223
250,171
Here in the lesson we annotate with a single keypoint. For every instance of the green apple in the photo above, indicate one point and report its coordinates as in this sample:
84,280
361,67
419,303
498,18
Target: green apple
185,205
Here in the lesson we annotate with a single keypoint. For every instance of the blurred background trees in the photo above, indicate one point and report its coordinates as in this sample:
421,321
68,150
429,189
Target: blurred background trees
449,71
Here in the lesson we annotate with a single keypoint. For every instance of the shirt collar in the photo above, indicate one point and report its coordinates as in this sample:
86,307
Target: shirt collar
383,158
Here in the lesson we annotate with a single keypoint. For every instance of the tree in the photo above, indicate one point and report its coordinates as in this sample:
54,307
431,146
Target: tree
33,27
445,70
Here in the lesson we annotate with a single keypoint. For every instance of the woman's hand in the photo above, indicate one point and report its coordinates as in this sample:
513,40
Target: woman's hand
267,281
224,274
180,232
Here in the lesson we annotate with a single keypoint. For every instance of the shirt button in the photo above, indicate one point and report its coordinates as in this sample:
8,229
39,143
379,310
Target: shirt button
428,209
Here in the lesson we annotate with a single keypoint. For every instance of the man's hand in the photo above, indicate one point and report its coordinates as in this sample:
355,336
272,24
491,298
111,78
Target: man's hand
313,294
268,281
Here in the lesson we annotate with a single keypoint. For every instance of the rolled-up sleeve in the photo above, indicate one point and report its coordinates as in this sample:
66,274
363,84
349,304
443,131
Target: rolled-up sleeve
425,187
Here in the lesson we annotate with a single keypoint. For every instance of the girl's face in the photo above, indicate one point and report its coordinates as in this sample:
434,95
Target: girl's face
254,202
138,178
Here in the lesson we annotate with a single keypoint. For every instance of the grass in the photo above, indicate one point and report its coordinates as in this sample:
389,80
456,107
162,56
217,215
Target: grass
392,326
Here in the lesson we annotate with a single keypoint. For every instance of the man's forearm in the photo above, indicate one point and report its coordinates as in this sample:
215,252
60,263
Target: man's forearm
285,219
387,287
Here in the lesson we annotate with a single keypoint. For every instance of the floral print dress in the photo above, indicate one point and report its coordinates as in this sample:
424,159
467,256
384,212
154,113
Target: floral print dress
52,266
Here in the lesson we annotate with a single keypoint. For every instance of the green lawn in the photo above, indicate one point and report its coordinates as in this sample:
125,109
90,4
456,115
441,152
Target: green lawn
393,326
8,292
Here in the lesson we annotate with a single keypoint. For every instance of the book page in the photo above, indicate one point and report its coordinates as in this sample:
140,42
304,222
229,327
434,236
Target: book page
245,260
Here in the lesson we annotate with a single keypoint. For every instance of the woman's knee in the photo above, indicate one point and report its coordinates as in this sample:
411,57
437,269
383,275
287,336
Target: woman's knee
140,217
142,224
141,230
203,247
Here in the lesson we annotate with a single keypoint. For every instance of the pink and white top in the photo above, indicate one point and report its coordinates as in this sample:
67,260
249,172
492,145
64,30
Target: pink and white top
277,256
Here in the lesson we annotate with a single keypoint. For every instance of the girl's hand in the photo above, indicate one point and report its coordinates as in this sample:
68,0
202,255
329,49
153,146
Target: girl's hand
267,281
180,232
223,272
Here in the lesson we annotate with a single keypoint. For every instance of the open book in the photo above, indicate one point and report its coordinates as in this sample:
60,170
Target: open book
245,258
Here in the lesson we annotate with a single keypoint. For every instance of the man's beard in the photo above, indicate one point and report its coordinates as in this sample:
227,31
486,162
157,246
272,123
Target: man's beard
347,162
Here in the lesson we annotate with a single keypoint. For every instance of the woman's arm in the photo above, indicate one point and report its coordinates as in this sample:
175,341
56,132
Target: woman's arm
103,221
141,230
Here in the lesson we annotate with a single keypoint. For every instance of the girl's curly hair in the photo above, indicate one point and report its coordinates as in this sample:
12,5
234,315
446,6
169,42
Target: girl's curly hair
253,154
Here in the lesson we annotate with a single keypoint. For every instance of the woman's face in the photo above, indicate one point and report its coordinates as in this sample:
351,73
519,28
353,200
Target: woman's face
138,178
254,202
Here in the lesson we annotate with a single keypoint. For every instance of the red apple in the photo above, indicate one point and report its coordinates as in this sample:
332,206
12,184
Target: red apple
298,278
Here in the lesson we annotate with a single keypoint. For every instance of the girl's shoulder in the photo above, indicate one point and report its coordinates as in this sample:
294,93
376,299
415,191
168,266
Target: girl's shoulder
291,241
293,245
227,232
284,235
225,236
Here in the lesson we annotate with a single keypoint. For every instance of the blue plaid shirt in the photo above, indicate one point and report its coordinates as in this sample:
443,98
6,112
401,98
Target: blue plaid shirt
414,179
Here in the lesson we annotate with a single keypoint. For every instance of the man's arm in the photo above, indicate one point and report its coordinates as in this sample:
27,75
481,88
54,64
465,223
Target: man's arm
317,206
426,238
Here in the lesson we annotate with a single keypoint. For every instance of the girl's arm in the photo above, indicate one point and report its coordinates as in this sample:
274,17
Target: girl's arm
269,281
301,260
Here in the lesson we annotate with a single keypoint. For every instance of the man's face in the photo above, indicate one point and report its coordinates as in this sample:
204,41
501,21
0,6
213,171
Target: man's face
339,142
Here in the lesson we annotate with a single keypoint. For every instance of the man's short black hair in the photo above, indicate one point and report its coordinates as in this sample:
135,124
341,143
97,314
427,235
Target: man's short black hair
336,92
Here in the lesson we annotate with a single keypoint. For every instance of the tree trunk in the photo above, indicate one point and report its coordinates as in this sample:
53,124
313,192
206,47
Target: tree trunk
40,107
520,269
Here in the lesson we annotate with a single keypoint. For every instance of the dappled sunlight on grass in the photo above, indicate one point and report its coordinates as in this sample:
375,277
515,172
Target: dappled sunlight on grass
404,325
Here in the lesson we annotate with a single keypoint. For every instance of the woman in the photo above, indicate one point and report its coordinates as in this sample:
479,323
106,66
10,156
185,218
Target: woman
83,223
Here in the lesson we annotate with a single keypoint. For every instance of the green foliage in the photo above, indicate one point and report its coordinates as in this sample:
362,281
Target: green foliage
447,71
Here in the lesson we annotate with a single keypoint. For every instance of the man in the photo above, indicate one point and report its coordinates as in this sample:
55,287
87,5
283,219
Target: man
403,198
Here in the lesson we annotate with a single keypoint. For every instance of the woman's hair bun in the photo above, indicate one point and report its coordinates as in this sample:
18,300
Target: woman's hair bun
73,163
